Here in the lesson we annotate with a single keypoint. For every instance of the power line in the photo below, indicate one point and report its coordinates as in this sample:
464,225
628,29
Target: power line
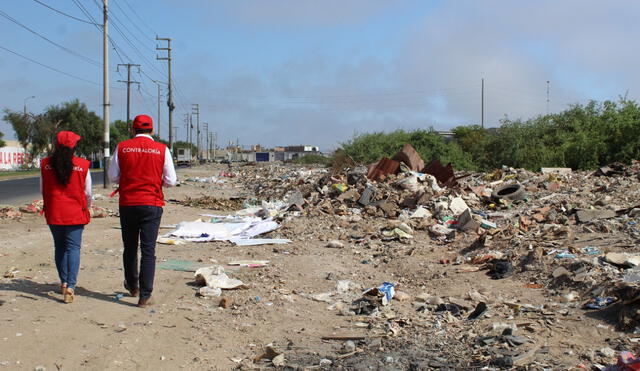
88,15
135,49
116,48
135,24
115,19
76,54
49,67
140,18
63,13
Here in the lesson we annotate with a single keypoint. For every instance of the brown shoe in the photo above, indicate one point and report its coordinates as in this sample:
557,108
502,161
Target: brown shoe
134,292
68,296
145,302
63,288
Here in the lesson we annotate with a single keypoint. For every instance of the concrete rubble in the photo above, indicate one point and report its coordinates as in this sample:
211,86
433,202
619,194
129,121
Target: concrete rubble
571,235
566,246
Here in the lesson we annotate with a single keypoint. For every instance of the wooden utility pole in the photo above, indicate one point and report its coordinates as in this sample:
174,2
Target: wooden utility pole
169,87
129,82
105,91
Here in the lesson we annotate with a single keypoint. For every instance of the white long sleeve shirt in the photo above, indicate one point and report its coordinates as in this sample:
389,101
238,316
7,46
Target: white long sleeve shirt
169,177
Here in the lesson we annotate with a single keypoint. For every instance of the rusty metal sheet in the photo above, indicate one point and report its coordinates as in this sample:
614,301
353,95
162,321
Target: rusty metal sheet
410,157
443,174
384,167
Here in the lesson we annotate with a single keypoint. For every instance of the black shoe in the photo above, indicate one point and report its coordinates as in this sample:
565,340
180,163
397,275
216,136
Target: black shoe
145,302
135,291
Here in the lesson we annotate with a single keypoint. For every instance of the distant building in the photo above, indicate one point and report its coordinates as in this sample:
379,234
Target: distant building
446,135
257,153
294,152
13,156
302,149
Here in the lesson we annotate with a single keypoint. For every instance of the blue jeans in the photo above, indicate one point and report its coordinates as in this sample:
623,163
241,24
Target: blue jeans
67,240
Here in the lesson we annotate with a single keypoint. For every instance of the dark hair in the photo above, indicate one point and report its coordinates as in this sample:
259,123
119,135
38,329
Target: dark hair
143,131
62,163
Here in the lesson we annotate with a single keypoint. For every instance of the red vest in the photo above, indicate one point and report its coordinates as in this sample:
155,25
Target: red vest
141,162
65,205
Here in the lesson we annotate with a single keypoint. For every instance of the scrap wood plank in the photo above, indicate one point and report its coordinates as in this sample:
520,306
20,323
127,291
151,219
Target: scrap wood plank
351,337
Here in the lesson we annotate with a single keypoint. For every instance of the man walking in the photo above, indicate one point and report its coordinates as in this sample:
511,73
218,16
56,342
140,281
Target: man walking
141,166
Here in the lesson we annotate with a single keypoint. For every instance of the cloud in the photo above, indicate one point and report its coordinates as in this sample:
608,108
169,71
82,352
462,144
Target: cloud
310,12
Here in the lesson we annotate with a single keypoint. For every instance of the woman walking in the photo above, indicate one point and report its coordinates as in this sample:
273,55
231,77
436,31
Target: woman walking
66,189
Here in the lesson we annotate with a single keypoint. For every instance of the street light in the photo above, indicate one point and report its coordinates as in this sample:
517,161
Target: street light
25,104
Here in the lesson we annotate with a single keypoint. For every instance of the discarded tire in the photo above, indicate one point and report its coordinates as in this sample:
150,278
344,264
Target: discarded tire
511,192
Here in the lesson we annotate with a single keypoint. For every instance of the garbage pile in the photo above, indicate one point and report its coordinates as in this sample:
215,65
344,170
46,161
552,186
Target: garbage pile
556,229
10,212
569,235
209,202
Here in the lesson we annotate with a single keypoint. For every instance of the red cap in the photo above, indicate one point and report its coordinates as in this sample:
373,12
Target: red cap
67,139
143,122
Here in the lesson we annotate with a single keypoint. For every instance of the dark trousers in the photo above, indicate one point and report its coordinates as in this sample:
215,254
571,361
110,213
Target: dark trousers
140,223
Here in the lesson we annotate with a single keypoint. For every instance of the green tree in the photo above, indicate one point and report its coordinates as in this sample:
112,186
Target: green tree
2,143
75,116
34,132
369,148
118,132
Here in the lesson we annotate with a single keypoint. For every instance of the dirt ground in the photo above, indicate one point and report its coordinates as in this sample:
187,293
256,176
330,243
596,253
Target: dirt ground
183,331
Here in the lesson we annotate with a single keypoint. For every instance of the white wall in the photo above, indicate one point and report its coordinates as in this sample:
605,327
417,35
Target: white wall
13,157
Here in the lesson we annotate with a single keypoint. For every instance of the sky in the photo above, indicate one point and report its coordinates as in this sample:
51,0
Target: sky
288,72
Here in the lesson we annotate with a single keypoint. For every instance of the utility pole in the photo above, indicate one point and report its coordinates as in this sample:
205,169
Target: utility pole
482,105
215,144
191,134
206,130
169,88
105,91
186,126
158,117
195,109
175,135
547,97
129,82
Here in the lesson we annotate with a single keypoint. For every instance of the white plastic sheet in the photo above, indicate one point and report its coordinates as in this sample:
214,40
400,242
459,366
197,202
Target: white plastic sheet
234,229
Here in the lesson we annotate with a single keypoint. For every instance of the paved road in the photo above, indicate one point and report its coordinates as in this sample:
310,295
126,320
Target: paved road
21,191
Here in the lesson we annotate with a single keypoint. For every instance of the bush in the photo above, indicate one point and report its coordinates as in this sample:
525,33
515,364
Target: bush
369,148
582,137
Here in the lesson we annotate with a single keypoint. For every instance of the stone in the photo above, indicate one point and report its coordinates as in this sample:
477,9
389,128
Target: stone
584,216
458,206
424,297
607,352
278,360
421,212
349,347
225,303
560,271
335,244
622,259
556,170
401,296
440,230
